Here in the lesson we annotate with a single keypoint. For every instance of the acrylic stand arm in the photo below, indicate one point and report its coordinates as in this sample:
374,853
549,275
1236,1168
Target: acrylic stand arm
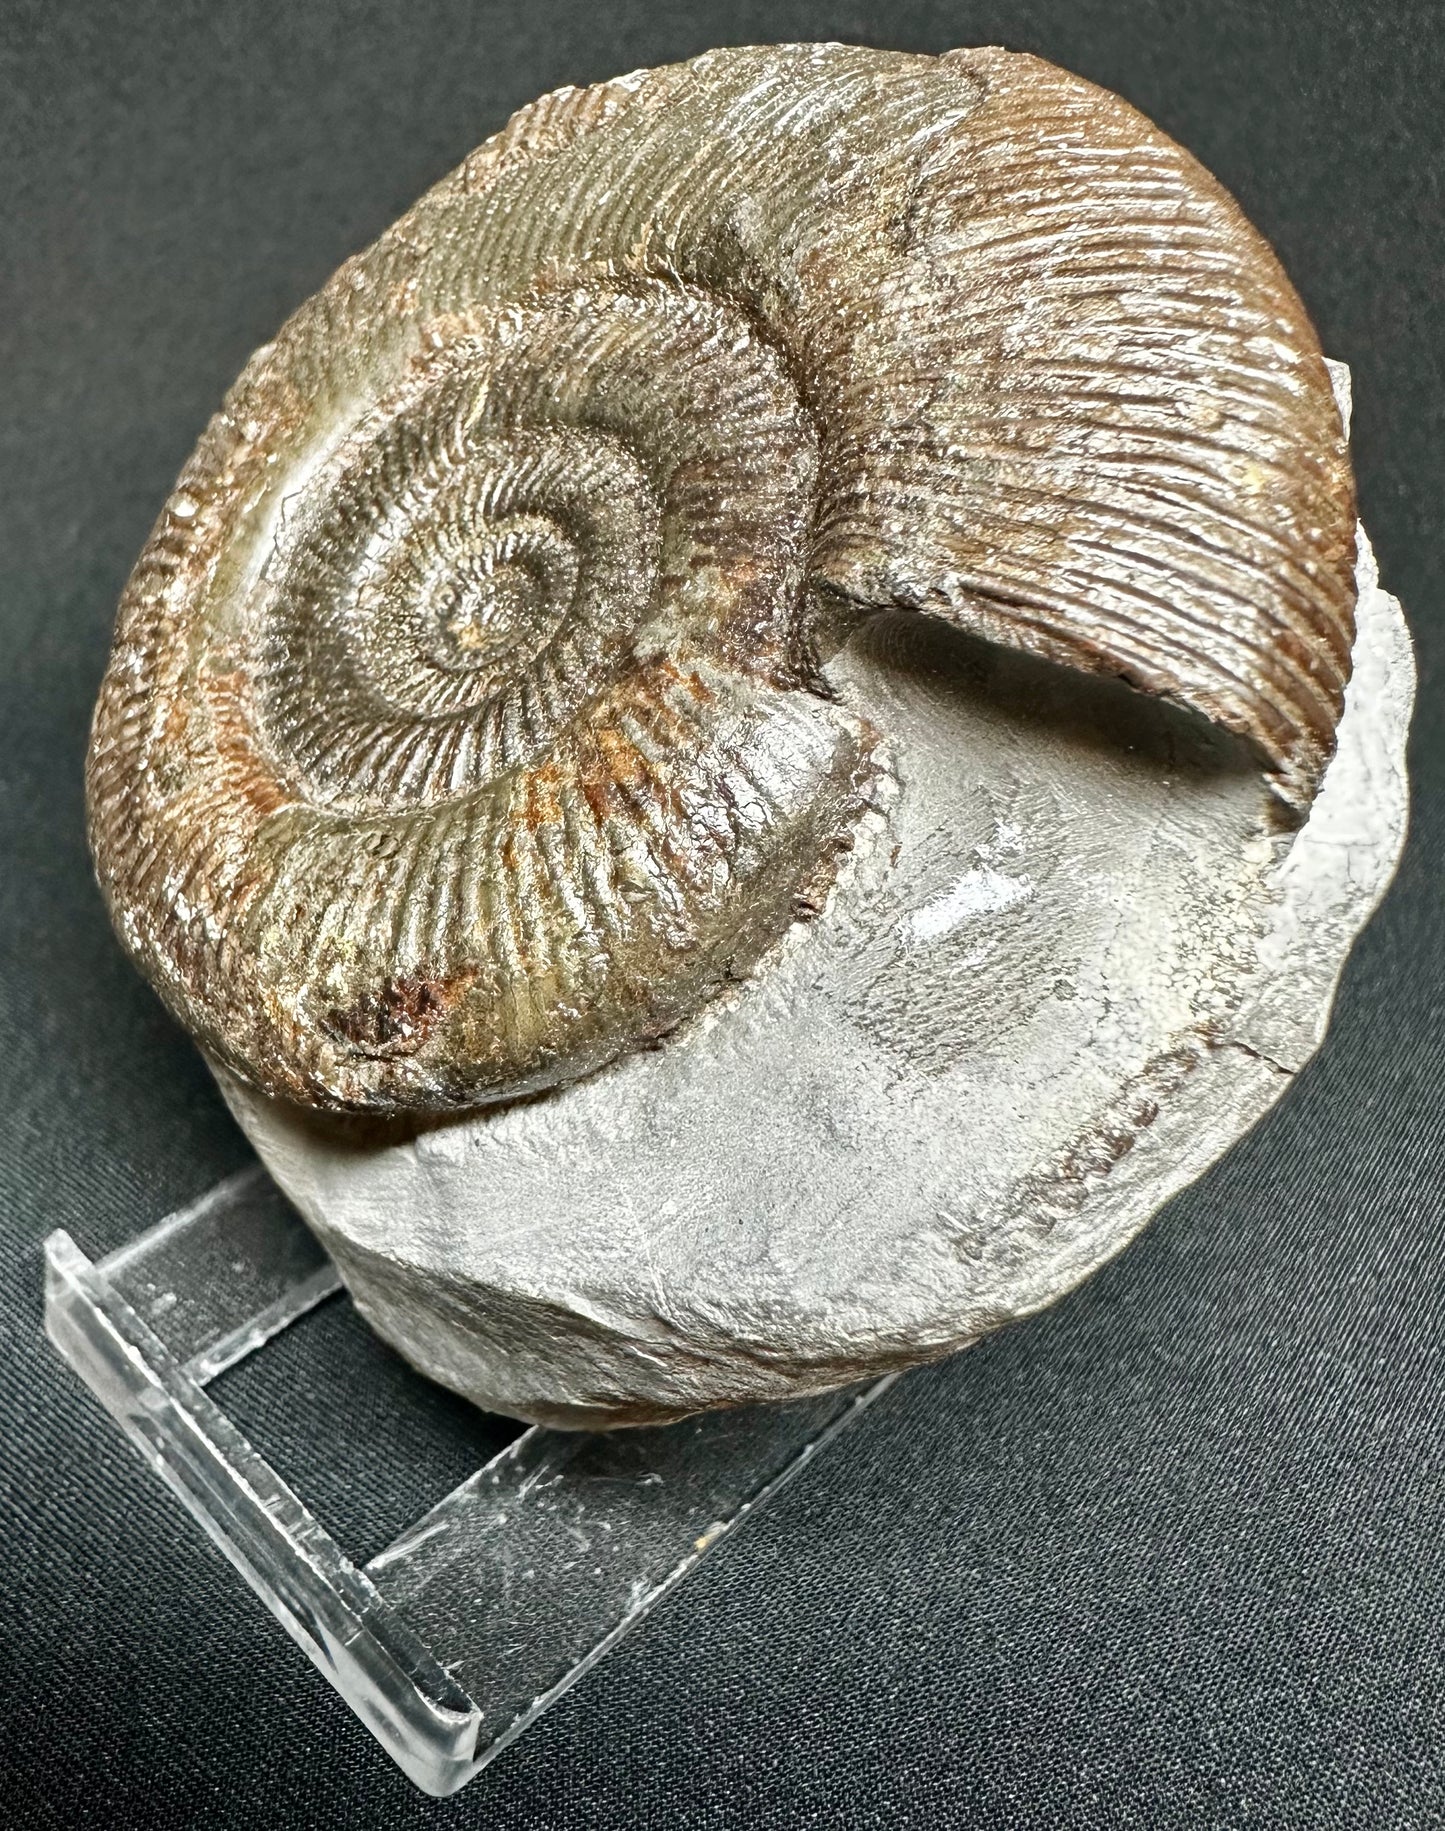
459,1634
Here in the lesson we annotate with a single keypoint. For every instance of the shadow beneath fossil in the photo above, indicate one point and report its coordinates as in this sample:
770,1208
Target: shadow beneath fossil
898,652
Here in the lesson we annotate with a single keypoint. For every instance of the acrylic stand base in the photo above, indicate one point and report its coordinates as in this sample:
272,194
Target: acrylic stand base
462,1632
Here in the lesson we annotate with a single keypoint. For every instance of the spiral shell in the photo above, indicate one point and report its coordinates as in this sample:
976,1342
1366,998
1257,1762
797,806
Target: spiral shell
465,726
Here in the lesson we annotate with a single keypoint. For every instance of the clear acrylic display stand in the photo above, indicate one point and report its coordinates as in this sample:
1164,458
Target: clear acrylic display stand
462,1632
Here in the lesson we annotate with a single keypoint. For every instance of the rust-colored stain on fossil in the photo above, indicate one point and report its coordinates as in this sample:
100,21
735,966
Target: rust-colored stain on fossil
398,1018
464,725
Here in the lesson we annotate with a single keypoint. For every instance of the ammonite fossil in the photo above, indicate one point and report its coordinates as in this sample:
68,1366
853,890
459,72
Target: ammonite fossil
466,726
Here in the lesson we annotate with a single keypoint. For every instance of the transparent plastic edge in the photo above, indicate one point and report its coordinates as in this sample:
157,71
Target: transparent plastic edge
360,1641
424,1720
707,1544
177,1221
289,1308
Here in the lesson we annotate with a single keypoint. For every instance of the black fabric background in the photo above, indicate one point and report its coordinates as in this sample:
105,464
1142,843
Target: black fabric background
1169,1555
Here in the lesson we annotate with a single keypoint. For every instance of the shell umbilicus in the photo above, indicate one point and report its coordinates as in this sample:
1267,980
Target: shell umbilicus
465,724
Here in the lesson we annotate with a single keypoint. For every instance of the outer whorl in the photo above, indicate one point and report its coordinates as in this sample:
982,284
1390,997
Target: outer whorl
463,725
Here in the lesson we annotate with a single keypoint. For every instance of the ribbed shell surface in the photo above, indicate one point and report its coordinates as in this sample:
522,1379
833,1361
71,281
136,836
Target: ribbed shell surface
464,725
